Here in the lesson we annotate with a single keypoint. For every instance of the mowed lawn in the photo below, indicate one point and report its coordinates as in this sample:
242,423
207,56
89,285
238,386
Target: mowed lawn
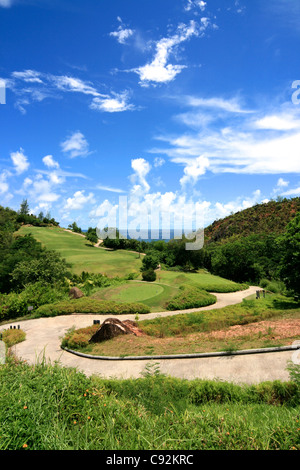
82,255
153,295
202,279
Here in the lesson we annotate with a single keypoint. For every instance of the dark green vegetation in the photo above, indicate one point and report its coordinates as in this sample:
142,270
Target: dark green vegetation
51,408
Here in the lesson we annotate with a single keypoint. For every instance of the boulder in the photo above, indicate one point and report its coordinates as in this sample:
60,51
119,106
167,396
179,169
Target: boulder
111,328
75,293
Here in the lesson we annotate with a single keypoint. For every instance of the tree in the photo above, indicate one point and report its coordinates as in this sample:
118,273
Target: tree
24,208
91,236
289,266
150,261
74,227
149,275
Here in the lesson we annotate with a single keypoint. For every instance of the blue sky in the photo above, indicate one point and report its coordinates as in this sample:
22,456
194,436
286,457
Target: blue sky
167,103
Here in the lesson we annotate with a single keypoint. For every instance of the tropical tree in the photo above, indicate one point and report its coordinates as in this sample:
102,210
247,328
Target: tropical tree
289,267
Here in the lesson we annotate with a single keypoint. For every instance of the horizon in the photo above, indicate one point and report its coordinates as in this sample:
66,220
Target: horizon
178,102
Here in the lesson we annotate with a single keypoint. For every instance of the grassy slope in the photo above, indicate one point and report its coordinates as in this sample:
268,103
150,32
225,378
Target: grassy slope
52,408
83,256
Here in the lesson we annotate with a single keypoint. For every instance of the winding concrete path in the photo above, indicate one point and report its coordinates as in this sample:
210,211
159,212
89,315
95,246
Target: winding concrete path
43,339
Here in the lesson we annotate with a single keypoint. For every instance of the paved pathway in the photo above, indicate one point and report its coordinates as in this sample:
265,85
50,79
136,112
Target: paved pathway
43,339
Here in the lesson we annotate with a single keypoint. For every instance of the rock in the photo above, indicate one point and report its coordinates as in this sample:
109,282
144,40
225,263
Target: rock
75,293
111,328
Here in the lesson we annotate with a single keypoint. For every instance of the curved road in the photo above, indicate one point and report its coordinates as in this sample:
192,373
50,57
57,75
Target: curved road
43,339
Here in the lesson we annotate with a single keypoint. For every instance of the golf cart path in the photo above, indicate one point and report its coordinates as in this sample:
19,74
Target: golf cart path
43,339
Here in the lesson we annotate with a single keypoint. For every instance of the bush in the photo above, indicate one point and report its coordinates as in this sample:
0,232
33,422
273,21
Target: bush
191,297
88,305
15,305
149,275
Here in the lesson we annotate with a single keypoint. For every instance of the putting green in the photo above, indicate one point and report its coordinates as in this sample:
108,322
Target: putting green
136,292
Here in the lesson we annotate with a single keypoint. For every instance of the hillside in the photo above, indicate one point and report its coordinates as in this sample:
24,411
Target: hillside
82,255
268,218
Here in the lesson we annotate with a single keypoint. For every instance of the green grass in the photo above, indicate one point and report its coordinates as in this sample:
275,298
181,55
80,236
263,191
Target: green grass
204,280
82,255
249,311
52,408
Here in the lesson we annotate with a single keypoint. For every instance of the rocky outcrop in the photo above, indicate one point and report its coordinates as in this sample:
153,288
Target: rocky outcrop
75,293
112,327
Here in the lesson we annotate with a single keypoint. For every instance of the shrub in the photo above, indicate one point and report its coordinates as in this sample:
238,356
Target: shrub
149,275
88,305
191,297
15,305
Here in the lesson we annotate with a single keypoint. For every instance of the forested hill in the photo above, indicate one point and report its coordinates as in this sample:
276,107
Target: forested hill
268,218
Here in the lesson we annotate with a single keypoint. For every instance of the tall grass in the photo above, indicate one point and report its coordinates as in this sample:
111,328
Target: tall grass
47,407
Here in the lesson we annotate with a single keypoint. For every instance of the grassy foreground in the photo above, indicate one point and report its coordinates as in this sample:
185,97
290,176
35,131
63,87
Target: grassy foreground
52,408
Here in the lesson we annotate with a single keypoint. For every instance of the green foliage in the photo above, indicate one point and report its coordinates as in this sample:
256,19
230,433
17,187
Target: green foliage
191,297
289,244
89,305
249,311
91,236
47,407
74,227
149,275
150,262
27,262
15,305
13,336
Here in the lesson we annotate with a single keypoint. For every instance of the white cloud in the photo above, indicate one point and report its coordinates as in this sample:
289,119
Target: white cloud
141,169
116,103
110,189
79,200
159,70
195,4
29,76
49,162
76,145
72,84
292,192
122,34
229,105
196,167
238,142
20,161
158,162
281,183
278,123
42,190
4,187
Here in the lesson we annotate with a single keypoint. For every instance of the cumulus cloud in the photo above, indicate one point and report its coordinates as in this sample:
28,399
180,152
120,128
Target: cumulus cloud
195,168
50,162
76,145
141,169
79,200
20,161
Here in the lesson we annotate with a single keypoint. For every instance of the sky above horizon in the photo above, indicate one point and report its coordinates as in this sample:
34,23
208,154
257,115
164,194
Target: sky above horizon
170,104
